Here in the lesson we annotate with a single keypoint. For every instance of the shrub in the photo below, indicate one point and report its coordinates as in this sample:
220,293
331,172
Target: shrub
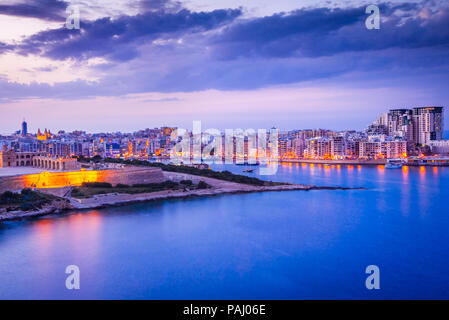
82,159
121,185
7,195
10,197
161,185
97,185
96,158
186,182
26,206
203,185
27,191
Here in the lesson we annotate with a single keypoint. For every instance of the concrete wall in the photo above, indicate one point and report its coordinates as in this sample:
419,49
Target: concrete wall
128,175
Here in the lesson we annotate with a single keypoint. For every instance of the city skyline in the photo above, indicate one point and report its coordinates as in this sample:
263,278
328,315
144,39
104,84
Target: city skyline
37,130
224,154
229,64
398,134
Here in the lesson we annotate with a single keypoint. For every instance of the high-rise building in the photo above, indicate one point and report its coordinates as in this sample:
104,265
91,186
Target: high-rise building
400,123
318,148
427,124
338,147
417,125
24,128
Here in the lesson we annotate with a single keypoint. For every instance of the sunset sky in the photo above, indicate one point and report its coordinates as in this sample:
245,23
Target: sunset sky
229,63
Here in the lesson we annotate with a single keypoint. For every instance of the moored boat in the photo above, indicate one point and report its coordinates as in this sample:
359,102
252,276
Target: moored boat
394,164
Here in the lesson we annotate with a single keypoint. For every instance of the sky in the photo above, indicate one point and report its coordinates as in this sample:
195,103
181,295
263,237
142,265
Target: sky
229,63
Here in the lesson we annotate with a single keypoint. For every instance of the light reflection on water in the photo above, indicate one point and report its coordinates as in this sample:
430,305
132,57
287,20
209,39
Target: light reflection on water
251,246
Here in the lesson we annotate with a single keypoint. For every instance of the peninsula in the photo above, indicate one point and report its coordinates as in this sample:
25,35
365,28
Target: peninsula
167,182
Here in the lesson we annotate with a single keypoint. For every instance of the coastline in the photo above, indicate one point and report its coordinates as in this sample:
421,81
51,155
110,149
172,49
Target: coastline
219,187
372,162
336,162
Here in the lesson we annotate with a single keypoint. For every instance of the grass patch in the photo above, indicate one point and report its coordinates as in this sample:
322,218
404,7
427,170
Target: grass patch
26,200
88,190
220,175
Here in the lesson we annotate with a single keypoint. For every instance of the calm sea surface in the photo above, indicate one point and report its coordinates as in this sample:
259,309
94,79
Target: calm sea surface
274,245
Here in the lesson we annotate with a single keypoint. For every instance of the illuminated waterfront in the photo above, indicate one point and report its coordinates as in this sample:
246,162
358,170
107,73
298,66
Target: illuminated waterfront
296,244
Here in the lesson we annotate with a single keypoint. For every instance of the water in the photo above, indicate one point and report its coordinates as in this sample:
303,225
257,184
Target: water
274,245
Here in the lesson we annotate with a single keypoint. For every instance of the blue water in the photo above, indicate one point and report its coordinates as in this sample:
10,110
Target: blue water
275,245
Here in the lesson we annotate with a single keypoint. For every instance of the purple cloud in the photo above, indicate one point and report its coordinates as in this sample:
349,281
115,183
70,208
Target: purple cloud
118,39
223,50
325,32
42,9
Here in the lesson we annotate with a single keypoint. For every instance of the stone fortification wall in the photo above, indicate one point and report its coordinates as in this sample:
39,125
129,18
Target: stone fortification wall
128,175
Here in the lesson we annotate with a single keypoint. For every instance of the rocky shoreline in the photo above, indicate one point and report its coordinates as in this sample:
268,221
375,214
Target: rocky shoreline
219,187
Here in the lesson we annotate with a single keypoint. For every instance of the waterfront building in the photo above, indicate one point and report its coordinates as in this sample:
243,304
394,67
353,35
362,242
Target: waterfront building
382,149
427,124
352,148
299,145
337,147
318,148
283,147
370,150
394,149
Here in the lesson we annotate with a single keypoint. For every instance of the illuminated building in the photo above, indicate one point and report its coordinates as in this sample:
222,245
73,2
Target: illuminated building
43,136
52,163
337,147
112,150
400,123
318,148
382,149
16,159
427,124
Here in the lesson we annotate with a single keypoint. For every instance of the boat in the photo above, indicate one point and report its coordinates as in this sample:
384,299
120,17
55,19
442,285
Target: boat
248,170
394,164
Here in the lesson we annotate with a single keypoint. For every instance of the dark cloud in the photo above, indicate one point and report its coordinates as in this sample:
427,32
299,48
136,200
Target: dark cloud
310,32
5,47
42,9
222,50
119,38
324,32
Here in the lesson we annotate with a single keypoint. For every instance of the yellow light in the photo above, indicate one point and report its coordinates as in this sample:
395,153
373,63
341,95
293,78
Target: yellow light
61,179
